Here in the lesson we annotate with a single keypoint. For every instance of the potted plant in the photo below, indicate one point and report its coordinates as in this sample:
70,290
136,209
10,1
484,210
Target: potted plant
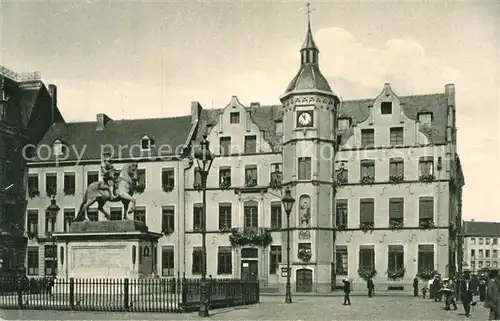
275,184
69,191
32,235
304,255
396,274
167,231
366,227
225,229
395,224
427,178
367,273
225,183
167,188
250,238
197,186
34,192
426,274
426,224
341,227
367,180
139,188
396,178
250,182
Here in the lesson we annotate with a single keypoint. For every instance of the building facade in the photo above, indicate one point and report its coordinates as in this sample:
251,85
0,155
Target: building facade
377,184
481,245
27,109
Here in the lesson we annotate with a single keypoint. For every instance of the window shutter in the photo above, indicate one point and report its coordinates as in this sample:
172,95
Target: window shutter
426,208
396,207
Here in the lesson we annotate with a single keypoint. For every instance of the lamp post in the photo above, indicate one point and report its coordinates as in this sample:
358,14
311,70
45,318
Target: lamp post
288,202
52,211
204,159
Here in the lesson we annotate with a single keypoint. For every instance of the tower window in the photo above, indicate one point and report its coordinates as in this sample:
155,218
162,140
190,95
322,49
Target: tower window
343,124
146,143
386,108
425,119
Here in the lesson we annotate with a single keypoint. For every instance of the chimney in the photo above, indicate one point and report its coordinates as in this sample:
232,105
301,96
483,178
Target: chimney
449,90
53,107
195,111
102,120
255,104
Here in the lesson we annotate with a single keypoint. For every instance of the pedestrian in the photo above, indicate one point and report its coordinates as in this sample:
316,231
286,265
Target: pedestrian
438,297
430,286
466,293
415,286
449,294
493,296
424,291
370,286
347,291
482,288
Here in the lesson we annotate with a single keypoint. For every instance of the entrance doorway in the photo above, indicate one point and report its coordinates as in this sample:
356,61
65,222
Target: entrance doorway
304,280
249,270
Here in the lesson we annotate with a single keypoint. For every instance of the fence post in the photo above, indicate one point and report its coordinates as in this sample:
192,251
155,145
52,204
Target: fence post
258,292
20,291
72,293
125,294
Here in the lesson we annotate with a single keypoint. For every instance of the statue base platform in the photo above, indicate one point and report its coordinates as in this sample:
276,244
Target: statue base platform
106,249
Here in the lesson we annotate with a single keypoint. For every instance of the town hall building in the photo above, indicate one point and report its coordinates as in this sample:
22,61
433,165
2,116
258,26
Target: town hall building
377,183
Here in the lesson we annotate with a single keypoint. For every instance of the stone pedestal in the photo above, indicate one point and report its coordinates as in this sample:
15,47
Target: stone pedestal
106,249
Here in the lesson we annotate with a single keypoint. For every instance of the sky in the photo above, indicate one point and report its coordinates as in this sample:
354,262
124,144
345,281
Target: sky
142,59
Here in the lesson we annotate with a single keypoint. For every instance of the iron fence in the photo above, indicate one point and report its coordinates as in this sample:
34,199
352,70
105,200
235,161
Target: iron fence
131,295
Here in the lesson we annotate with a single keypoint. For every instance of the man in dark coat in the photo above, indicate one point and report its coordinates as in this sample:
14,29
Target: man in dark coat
370,286
493,296
415,286
466,294
438,294
482,288
347,291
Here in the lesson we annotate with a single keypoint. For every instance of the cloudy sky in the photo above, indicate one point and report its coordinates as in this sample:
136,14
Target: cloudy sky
134,59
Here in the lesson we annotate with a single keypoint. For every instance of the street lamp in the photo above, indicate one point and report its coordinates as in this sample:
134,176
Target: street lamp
288,202
204,159
52,211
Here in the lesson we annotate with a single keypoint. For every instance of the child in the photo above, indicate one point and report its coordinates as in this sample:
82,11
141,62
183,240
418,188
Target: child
424,292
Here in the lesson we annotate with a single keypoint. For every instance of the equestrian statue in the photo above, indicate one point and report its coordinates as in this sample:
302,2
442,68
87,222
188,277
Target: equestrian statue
116,186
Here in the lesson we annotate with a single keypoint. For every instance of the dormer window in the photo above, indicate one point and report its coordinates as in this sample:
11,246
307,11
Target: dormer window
425,119
386,108
146,143
234,118
343,124
57,148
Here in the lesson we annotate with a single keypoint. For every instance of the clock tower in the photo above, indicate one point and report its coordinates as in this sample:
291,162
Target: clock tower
309,121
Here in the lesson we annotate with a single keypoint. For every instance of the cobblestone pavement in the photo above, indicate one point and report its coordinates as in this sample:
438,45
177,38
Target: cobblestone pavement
273,308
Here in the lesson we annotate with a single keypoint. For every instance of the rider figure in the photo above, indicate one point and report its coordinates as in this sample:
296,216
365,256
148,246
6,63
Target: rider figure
108,173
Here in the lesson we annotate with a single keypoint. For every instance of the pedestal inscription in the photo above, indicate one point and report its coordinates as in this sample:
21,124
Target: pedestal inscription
99,257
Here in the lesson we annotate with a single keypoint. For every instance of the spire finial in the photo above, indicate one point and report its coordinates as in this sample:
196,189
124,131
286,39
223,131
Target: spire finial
309,10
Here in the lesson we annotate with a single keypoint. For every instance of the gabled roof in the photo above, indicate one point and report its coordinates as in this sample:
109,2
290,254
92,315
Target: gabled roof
481,229
169,135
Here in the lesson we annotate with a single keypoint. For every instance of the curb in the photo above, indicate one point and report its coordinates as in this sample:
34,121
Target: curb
341,294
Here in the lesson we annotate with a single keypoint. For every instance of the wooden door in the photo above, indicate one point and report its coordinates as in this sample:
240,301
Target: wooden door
249,270
304,280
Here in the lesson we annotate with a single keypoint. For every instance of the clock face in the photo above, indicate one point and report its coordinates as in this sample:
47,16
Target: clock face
304,119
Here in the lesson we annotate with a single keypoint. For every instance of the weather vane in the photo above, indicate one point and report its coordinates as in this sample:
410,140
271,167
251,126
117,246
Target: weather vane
308,11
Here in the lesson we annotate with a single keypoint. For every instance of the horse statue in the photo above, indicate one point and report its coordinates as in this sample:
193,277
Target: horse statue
125,183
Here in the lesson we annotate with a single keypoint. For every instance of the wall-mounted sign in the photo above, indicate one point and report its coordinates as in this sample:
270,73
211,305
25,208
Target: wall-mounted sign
284,272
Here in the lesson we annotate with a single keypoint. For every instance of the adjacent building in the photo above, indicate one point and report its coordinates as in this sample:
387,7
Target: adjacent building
377,183
27,109
481,245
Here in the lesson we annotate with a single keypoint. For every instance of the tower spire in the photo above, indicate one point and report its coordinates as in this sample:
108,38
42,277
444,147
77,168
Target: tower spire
309,51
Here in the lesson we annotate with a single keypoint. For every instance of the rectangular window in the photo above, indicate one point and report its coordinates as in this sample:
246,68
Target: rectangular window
33,260
50,260
486,253
92,177
251,176
251,214
426,166
225,216
396,168
51,184
167,179
366,211
167,260
225,146
480,264
341,260
426,258
116,213
396,212
33,184
250,144
197,177
69,183
480,241
386,108
141,178
69,216
396,257
140,214
198,216
93,214
343,124
342,173
342,213
473,241
480,253
197,259
305,168
367,138
276,173
425,119
32,220
397,136
368,169
495,241
276,215
225,177
50,222
487,240
234,117
274,259
426,209
168,218
225,260
366,257
495,254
